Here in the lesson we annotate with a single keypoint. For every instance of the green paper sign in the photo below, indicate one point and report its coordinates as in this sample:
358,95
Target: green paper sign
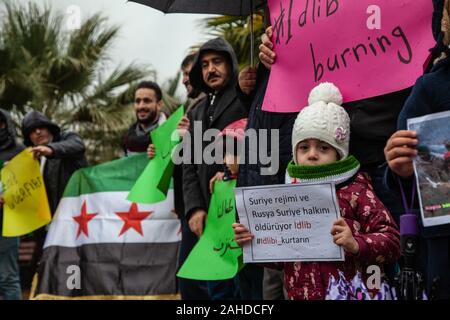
154,182
216,256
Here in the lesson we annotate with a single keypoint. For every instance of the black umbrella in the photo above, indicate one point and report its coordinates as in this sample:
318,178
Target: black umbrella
224,7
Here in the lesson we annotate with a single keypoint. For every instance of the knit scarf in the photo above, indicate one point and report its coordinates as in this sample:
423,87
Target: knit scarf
337,172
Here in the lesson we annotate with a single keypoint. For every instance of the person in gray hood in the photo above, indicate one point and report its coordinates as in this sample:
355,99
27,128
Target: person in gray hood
214,72
9,268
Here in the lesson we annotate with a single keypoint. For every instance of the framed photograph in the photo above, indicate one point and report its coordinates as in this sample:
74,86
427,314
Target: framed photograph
432,166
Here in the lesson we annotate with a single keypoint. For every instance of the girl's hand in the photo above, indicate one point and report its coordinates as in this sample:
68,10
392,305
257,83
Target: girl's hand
241,234
343,237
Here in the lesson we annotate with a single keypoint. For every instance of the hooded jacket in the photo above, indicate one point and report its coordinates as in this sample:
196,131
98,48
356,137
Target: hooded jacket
430,95
68,155
9,148
227,108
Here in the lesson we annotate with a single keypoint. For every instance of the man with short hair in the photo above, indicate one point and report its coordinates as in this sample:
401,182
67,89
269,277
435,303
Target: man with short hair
147,105
194,95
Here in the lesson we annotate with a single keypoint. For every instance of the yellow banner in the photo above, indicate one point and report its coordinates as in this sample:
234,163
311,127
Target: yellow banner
26,205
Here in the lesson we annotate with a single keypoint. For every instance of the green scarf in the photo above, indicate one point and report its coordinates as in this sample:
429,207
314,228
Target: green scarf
338,172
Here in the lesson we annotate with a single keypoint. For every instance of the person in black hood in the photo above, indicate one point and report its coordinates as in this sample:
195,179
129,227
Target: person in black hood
9,268
214,72
60,154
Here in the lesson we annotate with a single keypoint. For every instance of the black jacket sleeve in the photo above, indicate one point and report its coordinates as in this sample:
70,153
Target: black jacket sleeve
257,95
135,143
192,192
70,145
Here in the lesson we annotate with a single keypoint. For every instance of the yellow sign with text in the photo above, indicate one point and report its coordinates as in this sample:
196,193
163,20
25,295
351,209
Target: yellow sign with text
26,205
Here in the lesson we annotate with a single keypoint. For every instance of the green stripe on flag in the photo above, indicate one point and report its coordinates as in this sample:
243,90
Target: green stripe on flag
117,175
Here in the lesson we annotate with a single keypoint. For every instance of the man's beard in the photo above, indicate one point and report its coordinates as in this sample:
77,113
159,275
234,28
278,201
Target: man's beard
150,119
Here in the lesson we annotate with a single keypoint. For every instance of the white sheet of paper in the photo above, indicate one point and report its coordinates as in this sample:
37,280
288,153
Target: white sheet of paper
432,170
290,222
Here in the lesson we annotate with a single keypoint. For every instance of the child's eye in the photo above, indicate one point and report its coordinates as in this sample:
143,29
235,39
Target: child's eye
303,147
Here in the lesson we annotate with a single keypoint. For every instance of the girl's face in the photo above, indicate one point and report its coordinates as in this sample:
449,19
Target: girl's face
313,152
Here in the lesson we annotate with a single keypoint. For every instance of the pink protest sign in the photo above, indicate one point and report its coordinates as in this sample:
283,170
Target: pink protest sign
365,47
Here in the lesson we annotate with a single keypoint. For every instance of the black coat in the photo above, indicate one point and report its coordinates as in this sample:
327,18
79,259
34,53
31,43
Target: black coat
68,155
227,109
9,148
429,95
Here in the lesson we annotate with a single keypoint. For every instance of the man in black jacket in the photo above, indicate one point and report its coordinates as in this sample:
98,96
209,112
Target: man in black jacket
214,72
60,154
9,268
189,289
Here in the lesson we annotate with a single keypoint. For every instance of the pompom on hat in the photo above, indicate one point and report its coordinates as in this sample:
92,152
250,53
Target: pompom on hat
324,119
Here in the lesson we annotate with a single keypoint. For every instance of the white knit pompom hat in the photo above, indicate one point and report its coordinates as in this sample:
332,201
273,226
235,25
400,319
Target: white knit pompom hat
324,119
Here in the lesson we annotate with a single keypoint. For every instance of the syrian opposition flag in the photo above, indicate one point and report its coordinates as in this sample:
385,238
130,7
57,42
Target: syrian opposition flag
101,246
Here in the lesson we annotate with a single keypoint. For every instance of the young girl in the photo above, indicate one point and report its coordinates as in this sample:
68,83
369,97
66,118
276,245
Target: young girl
366,231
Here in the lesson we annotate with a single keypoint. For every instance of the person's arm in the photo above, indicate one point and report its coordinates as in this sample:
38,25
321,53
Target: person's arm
246,85
401,147
391,182
419,103
252,82
194,202
71,145
193,197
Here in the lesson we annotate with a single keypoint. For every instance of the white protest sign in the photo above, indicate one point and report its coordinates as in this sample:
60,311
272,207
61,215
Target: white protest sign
289,222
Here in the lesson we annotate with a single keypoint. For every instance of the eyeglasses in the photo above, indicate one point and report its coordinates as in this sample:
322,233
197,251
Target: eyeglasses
145,100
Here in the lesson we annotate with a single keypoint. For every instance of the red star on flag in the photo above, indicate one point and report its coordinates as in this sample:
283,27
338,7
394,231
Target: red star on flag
83,220
133,219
